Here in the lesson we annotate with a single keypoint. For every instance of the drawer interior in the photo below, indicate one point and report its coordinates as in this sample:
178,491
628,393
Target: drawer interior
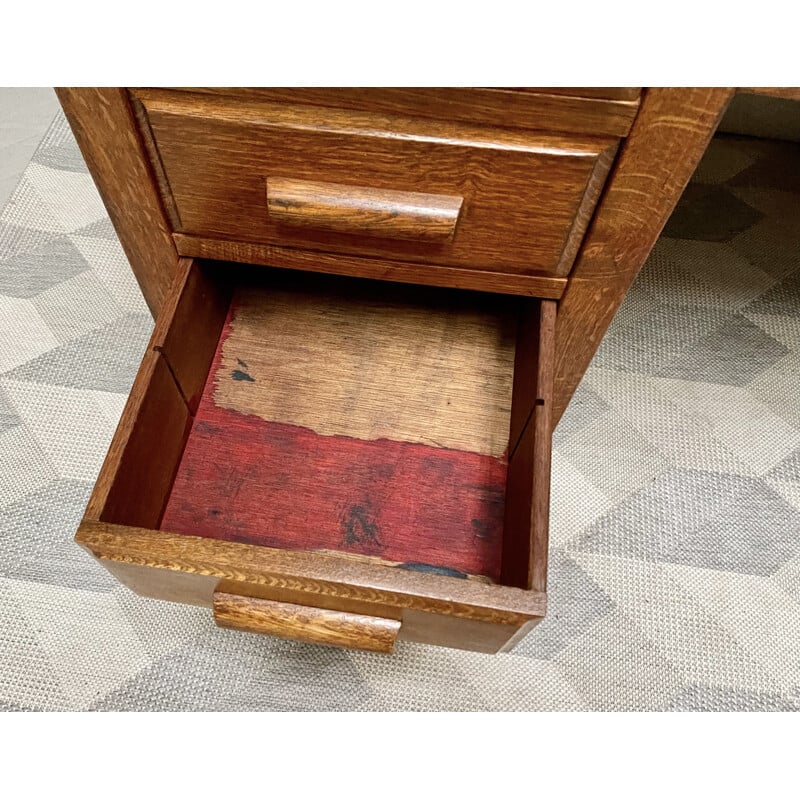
394,424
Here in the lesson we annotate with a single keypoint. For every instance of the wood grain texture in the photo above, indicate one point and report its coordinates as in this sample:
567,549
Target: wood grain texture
188,329
670,136
106,131
155,407
149,441
441,629
594,187
247,480
525,391
347,417
352,358
521,191
139,469
559,110
527,509
332,581
363,210
604,93
374,268
305,623
168,201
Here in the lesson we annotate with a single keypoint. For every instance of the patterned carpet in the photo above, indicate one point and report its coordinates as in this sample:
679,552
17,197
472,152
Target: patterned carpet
675,567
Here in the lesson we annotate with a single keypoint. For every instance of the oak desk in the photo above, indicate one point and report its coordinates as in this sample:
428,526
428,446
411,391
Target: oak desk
373,306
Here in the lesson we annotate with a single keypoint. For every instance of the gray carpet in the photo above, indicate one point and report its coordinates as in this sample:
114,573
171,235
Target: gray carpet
675,566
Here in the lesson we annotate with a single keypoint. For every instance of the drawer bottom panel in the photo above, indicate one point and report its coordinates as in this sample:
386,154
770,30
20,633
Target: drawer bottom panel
331,420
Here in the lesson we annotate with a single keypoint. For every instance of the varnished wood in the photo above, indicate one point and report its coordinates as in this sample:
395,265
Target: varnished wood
144,453
403,565
585,211
375,268
526,358
363,210
667,140
106,131
670,136
568,111
137,474
527,507
305,623
329,580
170,209
189,327
522,191
604,93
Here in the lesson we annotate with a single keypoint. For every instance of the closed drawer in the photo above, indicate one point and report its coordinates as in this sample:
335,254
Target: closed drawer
401,188
338,461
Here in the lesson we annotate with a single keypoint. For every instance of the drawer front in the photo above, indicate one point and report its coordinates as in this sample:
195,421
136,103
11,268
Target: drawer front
399,188
305,623
594,111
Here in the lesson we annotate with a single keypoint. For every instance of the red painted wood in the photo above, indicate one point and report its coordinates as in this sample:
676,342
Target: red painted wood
248,480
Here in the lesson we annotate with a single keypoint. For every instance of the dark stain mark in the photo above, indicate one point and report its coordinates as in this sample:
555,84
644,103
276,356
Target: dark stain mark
480,528
360,530
539,401
242,374
442,467
416,566
214,512
282,202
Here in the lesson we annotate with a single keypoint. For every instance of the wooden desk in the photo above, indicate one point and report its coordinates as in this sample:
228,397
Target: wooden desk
546,201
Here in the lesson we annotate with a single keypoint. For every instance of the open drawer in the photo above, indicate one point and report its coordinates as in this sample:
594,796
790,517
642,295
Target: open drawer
336,460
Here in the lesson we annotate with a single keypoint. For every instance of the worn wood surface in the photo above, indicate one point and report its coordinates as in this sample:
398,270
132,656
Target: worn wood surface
527,508
371,361
522,191
328,581
363,210
247,480
670,135
563,110
106,131
305,623
374,268
346,417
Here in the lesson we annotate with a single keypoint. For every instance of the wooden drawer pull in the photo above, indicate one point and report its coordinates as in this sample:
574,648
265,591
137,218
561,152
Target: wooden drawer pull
305,623
359,210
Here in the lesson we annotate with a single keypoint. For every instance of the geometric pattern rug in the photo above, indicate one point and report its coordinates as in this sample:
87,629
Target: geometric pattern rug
675,560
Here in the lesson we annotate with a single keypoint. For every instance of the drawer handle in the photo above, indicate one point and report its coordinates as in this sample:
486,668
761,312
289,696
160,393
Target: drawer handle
305,623
368,212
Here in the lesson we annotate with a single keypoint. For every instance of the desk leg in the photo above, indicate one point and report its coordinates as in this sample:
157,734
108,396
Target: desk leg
668,139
